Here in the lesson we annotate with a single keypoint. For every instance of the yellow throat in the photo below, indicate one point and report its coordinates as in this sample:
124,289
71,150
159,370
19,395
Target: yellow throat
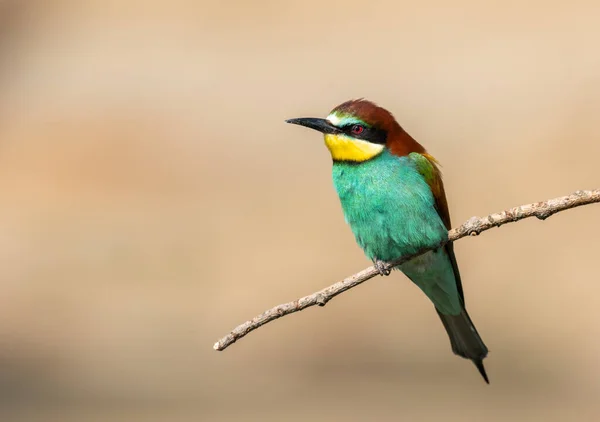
344,148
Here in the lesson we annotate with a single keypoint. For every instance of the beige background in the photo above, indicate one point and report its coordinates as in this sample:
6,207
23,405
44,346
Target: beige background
152,198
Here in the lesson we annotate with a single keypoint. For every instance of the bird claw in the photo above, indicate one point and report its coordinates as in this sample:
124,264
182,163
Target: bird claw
383,267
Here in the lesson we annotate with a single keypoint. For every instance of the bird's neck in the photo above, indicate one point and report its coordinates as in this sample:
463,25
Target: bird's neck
400,143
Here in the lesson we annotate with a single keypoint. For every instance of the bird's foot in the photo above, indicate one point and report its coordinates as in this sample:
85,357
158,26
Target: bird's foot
384,268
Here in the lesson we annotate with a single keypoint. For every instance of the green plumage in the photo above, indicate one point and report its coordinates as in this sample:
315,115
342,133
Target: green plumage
391,210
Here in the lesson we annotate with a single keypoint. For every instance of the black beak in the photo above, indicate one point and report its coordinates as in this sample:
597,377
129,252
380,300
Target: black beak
321,125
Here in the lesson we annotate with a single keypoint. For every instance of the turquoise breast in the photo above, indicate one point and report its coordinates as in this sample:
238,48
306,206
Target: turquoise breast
391,211
388,205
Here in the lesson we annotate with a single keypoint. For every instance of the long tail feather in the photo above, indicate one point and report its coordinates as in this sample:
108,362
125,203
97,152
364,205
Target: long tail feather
465,340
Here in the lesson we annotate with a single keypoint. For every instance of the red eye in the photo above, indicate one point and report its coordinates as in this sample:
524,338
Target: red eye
357,129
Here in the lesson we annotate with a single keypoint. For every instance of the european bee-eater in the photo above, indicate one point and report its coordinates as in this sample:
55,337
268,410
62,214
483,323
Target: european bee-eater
393,198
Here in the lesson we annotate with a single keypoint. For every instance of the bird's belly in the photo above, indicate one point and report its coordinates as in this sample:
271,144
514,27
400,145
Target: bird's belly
390,234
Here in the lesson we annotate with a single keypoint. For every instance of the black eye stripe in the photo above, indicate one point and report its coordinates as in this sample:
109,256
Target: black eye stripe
370,134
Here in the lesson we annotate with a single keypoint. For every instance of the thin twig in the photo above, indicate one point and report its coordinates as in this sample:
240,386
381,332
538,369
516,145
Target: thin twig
472,227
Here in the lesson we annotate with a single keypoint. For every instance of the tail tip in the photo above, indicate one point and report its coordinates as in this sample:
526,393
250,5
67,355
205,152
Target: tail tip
479,364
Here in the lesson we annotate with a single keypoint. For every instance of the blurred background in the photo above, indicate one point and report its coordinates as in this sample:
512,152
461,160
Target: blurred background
152,198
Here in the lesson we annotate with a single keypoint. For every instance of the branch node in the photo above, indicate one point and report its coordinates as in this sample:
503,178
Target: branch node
544,211
543,215
321,300
472,226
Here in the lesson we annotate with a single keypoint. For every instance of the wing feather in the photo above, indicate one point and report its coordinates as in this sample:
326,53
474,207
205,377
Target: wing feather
428,166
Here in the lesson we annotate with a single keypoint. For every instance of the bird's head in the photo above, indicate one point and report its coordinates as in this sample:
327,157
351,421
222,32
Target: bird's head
359,130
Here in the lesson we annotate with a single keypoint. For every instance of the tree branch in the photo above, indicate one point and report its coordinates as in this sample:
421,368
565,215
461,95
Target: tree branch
472,227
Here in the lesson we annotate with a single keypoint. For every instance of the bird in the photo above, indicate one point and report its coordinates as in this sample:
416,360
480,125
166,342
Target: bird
393,199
